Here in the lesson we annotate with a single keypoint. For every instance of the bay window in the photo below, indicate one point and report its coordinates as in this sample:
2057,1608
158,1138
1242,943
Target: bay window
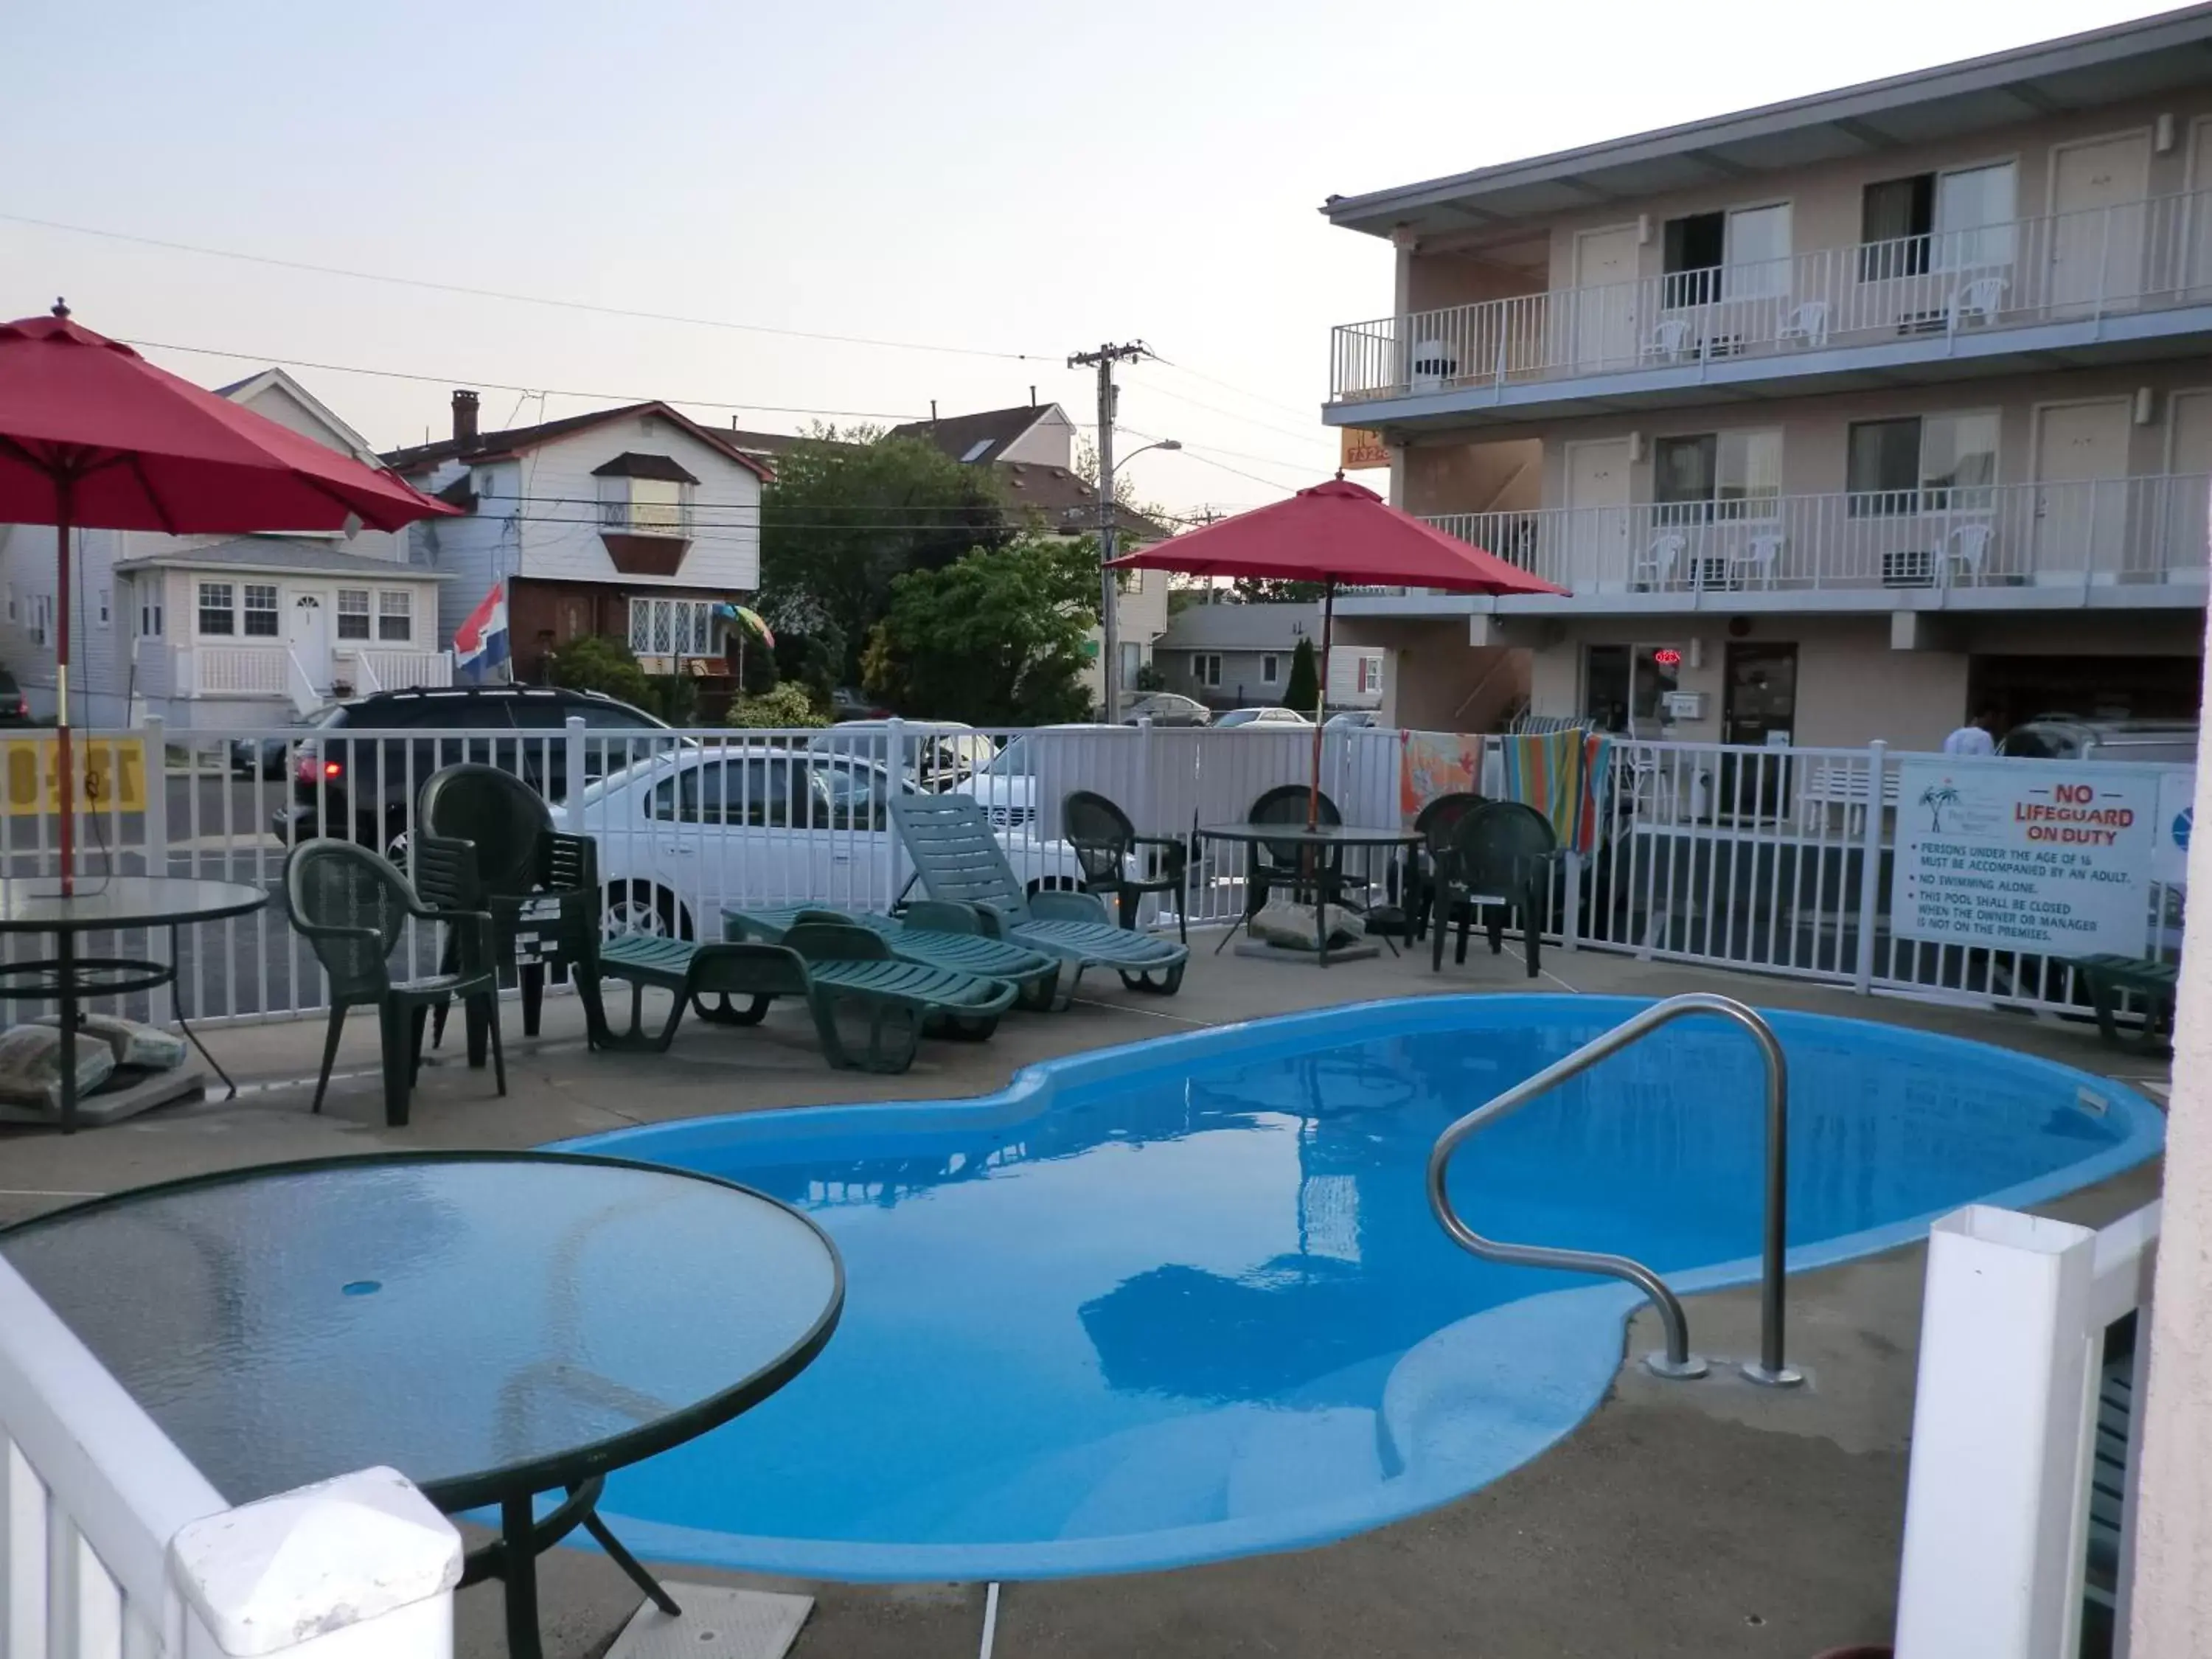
645,495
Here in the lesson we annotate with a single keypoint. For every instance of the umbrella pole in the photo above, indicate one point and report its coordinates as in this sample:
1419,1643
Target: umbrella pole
1320,701
63,506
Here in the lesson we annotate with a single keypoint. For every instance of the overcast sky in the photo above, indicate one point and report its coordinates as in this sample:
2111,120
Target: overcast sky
1006,179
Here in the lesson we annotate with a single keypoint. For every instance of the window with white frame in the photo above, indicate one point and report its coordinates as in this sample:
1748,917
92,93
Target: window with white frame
1269,664
646,506
105,612
151,623
41,627
352,613
395,616
1368,672
217,616
672,627
261,611
1206,667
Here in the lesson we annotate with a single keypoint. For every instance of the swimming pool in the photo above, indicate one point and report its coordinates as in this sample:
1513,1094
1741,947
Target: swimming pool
1185,1299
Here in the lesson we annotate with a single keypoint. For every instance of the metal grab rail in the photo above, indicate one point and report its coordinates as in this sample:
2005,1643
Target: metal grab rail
1677,1360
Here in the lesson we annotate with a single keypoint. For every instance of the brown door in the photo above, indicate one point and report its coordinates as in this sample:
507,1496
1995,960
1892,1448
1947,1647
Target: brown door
572,616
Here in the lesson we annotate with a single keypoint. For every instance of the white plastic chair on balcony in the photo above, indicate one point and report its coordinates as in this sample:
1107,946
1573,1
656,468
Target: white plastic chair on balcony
1758,557
1806,323
1656,569
1967,547
1432,366
1979,297
1672,339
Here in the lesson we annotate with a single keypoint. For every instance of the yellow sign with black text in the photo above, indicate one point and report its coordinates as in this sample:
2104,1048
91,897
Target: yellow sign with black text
1361,449
111,775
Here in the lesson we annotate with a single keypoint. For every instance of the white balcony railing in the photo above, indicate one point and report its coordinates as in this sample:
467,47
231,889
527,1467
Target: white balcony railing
2140,255
2105,532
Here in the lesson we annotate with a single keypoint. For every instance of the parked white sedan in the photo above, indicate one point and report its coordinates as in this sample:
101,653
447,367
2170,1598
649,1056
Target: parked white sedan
689,831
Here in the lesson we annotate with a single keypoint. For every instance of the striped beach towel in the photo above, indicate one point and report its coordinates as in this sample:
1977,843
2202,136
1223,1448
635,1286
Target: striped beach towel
1562,774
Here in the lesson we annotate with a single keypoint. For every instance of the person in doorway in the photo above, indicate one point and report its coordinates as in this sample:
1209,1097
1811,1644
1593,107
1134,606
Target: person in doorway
1977,736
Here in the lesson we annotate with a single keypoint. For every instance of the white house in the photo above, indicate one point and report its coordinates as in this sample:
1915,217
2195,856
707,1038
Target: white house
634,523
215,631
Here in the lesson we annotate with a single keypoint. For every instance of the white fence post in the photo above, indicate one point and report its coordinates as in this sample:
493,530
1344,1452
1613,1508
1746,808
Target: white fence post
573,759
360,1567
1995,1509
1870,842
162,1002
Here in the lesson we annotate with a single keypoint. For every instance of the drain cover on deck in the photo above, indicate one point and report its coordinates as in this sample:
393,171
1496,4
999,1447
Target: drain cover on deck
715,1624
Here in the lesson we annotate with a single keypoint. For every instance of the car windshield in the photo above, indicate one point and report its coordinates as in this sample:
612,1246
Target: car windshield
1013,761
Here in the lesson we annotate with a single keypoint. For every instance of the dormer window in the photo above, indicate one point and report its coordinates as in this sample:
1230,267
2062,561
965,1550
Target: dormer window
645,495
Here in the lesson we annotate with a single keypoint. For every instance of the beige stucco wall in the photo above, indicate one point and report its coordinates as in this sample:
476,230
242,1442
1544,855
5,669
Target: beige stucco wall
1852,687
1433,680
1447,476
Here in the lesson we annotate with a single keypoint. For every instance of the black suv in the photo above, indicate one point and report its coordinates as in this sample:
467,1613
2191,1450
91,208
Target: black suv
362,788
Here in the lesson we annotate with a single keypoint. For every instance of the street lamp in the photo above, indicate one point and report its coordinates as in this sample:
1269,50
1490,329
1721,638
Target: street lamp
1109,642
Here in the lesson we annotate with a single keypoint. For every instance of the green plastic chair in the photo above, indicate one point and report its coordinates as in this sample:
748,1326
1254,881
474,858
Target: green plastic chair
1500,858
540,886
351,906
831,964
1106,843
1435,824
958,861
935,935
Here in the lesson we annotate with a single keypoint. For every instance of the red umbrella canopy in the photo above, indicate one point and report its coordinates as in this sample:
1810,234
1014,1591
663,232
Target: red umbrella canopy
1337,533
141,449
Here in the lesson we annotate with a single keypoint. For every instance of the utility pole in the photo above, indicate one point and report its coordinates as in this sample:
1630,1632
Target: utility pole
1109,645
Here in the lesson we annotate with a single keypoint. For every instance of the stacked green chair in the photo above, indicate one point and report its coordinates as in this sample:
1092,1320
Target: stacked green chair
934,935
1501,859
352,906
540,886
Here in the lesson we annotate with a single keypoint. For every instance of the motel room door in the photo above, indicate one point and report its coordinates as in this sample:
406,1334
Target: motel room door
1759,709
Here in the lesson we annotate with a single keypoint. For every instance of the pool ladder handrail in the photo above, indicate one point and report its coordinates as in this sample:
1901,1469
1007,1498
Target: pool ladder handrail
1677,1360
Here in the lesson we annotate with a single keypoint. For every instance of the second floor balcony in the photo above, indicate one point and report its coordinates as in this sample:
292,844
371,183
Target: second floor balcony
2140,541
2118,273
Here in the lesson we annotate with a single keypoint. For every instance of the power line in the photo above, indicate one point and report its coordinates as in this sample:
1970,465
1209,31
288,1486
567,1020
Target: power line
520,298
1230,414
1228,386
507,385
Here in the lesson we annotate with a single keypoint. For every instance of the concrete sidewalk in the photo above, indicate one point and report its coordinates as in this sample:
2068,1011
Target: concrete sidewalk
1681,1520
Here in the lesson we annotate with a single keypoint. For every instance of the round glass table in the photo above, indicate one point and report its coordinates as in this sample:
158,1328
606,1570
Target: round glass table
1315,845
495,1326
36,904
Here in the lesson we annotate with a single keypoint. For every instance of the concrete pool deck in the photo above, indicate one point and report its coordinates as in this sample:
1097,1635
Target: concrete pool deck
1689,1519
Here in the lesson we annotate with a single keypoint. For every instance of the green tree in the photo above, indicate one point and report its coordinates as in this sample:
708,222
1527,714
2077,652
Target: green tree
995,638
590,662
851,511
1266,590
1304,688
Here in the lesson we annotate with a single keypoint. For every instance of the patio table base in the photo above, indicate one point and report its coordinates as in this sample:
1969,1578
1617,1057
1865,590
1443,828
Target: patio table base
513,1558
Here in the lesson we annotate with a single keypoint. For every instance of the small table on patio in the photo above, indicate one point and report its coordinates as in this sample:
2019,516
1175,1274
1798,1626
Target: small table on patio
493,1325
36,904
1321,840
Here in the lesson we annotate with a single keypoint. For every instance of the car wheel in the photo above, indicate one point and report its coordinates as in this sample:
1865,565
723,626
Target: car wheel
395,851
640,906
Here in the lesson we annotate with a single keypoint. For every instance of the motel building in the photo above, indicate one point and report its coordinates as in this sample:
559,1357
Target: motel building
1837,419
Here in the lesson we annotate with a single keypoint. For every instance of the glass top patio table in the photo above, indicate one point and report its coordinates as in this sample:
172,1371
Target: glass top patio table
490,1324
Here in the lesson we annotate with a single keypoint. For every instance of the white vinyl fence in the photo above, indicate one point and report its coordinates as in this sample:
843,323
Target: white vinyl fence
113,1546
1775,860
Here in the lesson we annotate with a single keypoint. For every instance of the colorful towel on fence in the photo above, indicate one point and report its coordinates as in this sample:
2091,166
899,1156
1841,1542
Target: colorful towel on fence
1433,763
1562,774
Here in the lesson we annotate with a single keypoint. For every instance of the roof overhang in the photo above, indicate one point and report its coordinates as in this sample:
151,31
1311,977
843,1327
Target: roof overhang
2134,59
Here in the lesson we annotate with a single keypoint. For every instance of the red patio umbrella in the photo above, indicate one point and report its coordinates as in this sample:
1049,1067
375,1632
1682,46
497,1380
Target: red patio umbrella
93,436
1330,533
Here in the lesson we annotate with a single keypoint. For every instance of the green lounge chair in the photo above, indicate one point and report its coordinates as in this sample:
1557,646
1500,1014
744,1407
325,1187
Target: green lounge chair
935,935
959,862
826,963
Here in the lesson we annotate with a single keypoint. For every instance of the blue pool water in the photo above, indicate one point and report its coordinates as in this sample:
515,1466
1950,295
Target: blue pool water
1185,1299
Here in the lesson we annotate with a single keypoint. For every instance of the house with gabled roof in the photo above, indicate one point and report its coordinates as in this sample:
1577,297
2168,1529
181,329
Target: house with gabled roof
208,632
635,524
